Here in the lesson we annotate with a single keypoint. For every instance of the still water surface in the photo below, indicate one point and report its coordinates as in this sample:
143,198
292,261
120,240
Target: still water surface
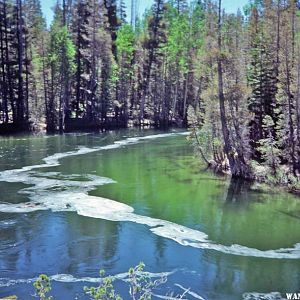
73,204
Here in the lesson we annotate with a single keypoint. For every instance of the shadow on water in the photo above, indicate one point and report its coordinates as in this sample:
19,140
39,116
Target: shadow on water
237,190
294,215
240,194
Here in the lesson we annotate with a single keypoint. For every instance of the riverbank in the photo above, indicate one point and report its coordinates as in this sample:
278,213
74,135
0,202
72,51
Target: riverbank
84,125
283,178
262,175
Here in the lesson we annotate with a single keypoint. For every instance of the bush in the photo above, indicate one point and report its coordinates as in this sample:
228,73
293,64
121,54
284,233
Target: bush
141,286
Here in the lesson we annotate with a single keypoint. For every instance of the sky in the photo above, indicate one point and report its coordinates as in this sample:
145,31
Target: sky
231,6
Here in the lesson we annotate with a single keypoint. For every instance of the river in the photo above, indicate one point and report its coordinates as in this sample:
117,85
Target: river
73,204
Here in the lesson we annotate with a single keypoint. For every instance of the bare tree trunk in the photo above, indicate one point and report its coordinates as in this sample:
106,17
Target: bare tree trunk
20,103
298,99
45,83
278,36
26,101
8,70
227,144
184,115
63,99
290,107
4,82
78,66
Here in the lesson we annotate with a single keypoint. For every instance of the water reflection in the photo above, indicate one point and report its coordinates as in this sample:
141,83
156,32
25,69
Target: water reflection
58,243
238,190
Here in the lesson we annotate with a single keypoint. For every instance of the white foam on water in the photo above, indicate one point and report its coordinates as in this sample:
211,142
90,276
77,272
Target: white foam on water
68,278
6,282
7,223
167,297
101,208
189,292
53,160
65,193
263,296
20,208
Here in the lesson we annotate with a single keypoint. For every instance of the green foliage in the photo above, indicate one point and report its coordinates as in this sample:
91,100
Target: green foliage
141,286
140,283
178,45
125,42
61,47
114,74
262,73
43,287
269,147
105,291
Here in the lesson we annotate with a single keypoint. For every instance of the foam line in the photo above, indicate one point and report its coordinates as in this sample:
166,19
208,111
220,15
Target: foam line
101,208
167,297
58,192
263,296
68,278
53,160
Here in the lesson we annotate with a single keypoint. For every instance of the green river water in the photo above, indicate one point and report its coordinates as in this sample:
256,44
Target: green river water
73,204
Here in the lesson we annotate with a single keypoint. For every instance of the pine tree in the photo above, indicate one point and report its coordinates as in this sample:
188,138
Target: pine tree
125,52
36,25
153,43
287,86
82,34
61,64
263,73
113,21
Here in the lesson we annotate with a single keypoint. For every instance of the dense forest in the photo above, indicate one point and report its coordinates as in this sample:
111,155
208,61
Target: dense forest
233,78
94,69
